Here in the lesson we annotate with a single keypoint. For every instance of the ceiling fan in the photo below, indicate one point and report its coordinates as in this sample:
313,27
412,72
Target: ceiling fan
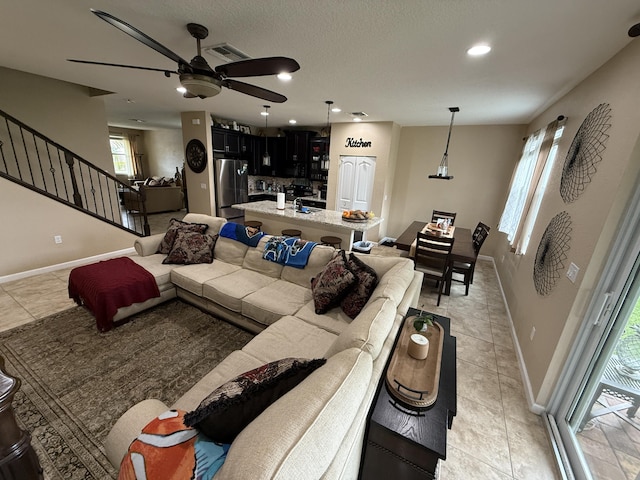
196,76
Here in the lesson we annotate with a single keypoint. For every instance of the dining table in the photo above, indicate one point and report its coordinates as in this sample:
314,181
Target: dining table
462,250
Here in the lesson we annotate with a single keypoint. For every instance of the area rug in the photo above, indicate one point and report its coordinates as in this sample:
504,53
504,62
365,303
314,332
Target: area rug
76,382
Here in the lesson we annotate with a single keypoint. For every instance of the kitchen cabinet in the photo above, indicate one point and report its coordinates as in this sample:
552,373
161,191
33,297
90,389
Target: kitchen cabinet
277,150
226,141
297,156
319,159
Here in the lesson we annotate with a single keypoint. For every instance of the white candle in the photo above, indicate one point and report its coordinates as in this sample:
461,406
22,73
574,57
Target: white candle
418,346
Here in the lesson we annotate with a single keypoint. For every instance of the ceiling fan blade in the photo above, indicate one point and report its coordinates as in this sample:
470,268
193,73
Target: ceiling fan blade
255,67
140,36
163,70
254,91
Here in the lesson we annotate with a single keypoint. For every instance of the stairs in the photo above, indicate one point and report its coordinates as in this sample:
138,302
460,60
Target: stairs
36,162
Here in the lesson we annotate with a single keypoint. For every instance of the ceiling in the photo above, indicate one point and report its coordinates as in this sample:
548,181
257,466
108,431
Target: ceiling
403,61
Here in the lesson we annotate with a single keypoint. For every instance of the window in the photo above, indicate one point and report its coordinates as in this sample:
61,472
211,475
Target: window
121,154
528,185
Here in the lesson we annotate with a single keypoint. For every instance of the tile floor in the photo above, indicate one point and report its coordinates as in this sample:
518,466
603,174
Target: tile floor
494,436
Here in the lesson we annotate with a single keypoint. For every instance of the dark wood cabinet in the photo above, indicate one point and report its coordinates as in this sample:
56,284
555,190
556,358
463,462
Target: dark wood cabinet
402,441
319,159
226,141
297,156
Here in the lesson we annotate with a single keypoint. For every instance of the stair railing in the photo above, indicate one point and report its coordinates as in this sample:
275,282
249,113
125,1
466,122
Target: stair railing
36,162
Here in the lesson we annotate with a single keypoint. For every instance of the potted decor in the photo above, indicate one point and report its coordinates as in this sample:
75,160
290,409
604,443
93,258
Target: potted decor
423,321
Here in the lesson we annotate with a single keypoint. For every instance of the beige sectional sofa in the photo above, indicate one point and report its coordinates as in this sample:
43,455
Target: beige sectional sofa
315,430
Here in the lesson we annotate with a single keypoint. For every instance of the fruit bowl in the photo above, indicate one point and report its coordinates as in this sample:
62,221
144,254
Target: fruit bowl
357,216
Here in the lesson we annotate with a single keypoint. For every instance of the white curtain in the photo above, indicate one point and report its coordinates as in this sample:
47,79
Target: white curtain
520,185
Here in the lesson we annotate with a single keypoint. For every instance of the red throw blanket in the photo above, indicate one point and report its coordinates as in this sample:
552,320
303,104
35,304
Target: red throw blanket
106,286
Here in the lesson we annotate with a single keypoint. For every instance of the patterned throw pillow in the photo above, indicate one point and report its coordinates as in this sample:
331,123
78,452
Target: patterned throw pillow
232,406
330,286
167,448
191,247
359,295
175,226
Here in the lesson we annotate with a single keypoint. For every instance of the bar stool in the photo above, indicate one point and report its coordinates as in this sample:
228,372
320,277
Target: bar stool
253,223
291,232
335,242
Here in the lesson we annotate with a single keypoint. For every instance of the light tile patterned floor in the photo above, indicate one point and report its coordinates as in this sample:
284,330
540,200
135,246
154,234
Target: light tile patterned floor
494,436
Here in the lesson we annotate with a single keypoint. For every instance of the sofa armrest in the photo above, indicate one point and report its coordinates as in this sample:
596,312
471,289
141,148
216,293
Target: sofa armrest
129,426
148,245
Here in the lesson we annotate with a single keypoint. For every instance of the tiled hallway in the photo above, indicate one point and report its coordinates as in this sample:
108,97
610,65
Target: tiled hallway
494,436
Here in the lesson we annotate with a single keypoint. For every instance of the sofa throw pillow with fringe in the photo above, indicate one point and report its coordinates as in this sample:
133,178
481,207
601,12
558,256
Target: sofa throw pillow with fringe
232,406
359,295
330,286
176,226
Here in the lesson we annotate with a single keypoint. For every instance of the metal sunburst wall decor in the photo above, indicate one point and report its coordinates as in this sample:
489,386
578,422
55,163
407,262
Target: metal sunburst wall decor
585,153
552,252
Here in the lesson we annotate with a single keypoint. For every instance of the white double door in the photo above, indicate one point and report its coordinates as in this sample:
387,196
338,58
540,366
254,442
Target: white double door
355,182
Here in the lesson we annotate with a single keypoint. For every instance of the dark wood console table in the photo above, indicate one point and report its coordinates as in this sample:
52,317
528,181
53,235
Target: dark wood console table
402,441
18,460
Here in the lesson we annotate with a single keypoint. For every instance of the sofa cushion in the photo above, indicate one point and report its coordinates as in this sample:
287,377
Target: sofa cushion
253,260
192,277
230,251
369,329
333,320
318,259
307,438
167,448
148,245
394,283
289,337
175,226
332,283
232,406
191,247
275,300
153,264
356,298
229,290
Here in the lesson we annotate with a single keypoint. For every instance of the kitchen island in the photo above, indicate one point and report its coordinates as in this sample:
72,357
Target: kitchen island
313,225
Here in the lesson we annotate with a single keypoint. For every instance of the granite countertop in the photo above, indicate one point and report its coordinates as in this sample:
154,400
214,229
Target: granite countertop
274,195
319,217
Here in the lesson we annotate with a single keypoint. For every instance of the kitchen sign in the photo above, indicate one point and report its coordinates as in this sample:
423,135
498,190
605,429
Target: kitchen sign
357,143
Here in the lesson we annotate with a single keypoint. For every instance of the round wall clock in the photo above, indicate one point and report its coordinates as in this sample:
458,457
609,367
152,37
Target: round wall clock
196,154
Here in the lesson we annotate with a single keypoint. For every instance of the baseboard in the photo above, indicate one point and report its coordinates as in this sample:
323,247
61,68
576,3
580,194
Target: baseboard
70,264
533,406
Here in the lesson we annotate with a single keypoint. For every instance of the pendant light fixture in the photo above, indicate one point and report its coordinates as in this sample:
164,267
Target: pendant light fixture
443,168
266,159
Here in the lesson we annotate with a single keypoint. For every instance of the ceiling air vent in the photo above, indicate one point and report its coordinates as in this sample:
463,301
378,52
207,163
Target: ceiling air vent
226,52
359,114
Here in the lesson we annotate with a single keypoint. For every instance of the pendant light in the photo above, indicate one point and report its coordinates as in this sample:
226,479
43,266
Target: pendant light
266,159
324,165
443,168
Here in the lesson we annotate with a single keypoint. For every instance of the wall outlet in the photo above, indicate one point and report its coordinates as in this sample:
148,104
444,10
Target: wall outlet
572,272
203,186
532,334
57,239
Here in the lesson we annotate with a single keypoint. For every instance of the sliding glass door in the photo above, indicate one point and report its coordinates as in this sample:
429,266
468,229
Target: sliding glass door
593,411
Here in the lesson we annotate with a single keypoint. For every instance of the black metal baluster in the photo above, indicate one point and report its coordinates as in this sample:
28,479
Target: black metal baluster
13,148
52,170
26,153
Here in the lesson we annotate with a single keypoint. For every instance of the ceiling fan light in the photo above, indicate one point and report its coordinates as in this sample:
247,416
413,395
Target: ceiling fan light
181,90
284,76
479,50
200,85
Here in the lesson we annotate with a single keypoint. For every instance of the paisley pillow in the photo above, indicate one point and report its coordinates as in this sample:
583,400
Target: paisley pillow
330,286
175,226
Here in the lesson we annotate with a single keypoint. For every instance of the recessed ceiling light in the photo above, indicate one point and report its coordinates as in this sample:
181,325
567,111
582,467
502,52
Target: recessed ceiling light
264,114
357,119
293,121
284,76
478,50
181,90
336,110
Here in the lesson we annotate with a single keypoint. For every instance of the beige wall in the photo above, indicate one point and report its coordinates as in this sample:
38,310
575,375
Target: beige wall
384,145
66,114
165,151
481,160
557,315
200,186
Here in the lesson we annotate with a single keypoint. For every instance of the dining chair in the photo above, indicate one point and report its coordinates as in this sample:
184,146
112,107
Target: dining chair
432,258
479,235
451,216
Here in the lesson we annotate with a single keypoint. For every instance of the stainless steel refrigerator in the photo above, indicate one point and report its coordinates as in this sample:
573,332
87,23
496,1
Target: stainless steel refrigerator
232,186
